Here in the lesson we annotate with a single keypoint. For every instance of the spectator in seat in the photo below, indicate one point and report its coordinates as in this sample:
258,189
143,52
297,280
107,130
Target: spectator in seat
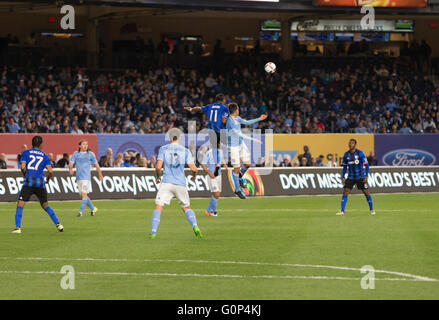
371,159
3,164
23,147
110,160
63,162
152,162
127,161
332,163
52,162
319,161
304,162
12,126
286,162
119,160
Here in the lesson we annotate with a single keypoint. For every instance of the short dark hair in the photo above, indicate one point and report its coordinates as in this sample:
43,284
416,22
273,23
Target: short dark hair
37,141
355,141
233,107
220,97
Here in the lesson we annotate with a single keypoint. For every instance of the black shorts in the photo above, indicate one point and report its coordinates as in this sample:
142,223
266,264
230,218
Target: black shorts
26,192
350,183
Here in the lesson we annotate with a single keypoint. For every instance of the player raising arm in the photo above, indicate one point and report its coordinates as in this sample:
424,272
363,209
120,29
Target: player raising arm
33,163
238,149
172,158
356,167
83,159
217,114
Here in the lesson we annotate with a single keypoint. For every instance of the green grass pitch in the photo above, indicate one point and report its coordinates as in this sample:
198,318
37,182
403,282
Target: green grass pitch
259,248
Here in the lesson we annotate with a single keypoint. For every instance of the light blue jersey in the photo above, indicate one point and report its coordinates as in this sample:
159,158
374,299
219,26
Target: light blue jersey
234,132
209,159
83,162
174,157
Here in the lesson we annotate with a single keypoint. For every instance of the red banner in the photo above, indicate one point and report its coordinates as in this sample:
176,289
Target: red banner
11,144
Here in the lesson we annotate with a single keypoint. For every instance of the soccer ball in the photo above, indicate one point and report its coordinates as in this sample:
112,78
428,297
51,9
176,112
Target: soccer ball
270,67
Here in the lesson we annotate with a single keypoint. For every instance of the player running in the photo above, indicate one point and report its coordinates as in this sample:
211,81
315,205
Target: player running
356,167
208,163
33,163
172,158
238,149
217,114
83,159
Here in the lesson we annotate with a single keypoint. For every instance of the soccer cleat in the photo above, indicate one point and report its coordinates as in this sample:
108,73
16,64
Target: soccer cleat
216,171
16,230
60,227
240,194
372,212
197,232
93,212
79,214
341,213
213,214
152,236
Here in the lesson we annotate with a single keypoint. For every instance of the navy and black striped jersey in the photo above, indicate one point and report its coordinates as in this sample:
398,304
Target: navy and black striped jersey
355,165
36,160
215,113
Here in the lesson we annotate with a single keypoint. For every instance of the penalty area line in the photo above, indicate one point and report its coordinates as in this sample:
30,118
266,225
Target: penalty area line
401,274
199,275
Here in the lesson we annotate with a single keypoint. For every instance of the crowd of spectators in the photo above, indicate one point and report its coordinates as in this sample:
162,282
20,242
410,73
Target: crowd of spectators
359,97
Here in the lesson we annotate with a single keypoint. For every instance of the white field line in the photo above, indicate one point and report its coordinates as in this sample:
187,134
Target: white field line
147,210
401,274
198,275
259,198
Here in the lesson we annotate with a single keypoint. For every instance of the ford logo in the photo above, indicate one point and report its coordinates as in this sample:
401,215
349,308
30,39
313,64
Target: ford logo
409,157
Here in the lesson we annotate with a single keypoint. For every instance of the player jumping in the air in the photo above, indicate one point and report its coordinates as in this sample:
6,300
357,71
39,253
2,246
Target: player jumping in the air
208,163
83,159
33,163
173,157
238,149
217,114
356,166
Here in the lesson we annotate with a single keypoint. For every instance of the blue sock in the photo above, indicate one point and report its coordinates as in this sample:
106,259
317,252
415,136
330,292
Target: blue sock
155,221
344,200
235,177
83,203
52,215
190,215
369,201
92,207
18,216
244,169
212,204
